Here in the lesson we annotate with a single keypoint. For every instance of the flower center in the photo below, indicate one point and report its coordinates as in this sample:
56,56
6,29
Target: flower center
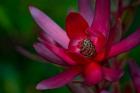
87,48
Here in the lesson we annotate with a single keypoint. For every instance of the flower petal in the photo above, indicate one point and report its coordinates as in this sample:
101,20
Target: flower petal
47,54
102,17
126,44
43,38
59,80
115,33
98,39
50,27
92,74
112,74
60,52
30,55
76,26
86,10
135,74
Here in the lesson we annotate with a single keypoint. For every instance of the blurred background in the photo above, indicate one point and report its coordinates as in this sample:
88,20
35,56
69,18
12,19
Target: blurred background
19,74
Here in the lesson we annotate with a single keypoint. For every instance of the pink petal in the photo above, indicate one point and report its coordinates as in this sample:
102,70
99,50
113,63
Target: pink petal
92,74
50,27
112,74
44,52
43,37
59,80
102,17
60,52
47,54
126,44
30,55
85,9
135,74
76,26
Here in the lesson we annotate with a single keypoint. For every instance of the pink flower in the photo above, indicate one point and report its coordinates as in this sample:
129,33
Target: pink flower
84,47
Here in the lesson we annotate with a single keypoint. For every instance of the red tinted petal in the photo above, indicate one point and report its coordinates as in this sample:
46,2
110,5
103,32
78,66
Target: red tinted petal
100,27
76,26
92,74
112,74
47,54
126,44
98,40
102,17
59,80
78,58
60,52
85,9
100,56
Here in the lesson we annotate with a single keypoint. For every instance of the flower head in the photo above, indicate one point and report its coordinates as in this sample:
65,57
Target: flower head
84,47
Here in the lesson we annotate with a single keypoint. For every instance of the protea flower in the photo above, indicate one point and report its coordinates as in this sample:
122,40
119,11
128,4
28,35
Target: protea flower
85,47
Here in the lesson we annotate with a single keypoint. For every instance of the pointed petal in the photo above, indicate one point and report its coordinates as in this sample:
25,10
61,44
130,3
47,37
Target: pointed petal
59,80
86,10
92,74
126,44
47,54
30,55
98,39
76,26
112,74
60,52
50,27
43,37
135,74
102,17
